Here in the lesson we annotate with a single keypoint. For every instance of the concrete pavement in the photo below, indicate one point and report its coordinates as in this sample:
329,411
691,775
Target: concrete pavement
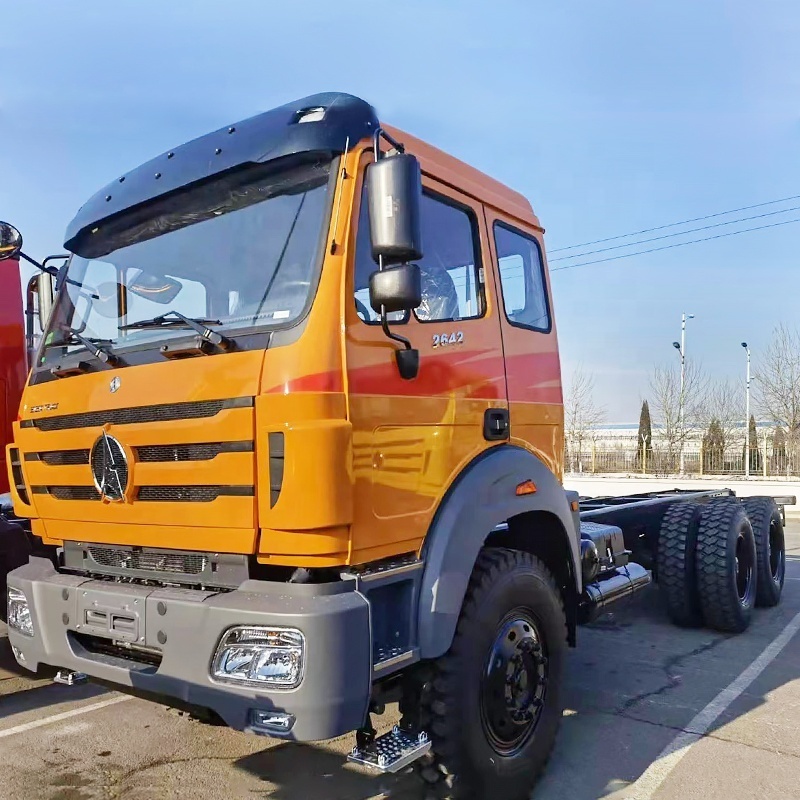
633,685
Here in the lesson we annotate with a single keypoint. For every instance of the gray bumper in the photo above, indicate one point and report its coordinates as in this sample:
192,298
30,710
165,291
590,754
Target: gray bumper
186,625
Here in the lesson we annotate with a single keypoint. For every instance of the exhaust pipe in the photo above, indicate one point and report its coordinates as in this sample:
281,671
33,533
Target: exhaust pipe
599,595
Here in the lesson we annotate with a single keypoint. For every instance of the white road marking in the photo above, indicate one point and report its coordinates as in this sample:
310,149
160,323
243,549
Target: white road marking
76,712
652,778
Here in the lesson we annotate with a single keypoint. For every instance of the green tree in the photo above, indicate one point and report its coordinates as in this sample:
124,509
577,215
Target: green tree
714,448
778,466
644,446
751,450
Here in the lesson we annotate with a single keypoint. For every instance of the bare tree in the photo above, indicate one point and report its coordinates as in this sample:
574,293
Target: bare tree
665,385
777,382
581,414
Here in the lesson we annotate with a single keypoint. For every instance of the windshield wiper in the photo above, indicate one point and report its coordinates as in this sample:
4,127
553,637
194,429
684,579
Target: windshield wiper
175,318
102,353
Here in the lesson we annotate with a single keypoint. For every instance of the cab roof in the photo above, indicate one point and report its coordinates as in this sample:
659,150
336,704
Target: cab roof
321,124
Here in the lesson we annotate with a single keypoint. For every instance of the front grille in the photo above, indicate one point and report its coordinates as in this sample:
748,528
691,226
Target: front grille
190,452
166,412
60,458
69,492
150,565
191,494
157,561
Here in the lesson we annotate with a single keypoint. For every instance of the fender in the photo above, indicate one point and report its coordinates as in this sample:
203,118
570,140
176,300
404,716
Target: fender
481,498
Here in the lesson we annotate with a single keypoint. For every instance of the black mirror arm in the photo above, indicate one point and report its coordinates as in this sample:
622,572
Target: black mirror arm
408,358
388,332
41,267
54,271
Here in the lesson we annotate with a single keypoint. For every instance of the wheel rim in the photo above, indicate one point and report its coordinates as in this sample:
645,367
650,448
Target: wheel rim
776,552
514,684
744,567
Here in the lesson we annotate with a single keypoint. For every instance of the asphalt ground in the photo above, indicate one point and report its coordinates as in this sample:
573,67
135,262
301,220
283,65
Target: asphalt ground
653,711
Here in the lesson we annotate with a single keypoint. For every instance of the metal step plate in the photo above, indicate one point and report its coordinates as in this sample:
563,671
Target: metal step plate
69,678
392,751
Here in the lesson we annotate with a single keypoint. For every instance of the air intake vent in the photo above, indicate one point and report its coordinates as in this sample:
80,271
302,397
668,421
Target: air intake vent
69,492
158,561
60,458
168,412
16,474
190,452
191,494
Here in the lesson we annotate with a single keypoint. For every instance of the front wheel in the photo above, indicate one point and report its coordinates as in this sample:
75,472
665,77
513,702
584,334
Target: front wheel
492,704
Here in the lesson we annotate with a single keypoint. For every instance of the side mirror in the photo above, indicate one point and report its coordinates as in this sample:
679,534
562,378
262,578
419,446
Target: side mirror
394,187
395,288
10,241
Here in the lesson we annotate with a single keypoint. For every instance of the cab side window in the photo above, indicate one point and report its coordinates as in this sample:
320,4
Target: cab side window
522,278
451,288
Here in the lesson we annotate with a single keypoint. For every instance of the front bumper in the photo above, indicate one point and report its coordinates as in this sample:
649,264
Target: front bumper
184,627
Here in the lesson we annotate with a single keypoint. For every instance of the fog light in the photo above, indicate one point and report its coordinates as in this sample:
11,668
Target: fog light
18,654
19,612
260,656
270,722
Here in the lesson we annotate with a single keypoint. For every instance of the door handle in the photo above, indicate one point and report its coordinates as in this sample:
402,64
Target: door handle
496,424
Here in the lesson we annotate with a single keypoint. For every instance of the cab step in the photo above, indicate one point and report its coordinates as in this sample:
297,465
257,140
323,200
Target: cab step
69,677
392,751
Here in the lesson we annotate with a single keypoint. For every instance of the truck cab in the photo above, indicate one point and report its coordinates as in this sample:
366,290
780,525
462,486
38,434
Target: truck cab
295,432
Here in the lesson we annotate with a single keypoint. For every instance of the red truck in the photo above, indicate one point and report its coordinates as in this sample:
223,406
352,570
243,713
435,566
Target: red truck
20,324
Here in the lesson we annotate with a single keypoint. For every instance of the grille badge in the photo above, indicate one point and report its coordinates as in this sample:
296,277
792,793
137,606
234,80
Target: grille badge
109,468
114,385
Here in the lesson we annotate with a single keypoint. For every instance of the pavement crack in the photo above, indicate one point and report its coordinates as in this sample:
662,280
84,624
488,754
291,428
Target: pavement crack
673,680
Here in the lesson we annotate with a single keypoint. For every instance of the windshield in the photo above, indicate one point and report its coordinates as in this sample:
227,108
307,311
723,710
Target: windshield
239,252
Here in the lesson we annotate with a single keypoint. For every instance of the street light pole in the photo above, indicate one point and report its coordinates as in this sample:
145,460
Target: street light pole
681,348
747,417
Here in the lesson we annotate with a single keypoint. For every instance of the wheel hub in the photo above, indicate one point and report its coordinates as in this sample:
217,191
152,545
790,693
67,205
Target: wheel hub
514,683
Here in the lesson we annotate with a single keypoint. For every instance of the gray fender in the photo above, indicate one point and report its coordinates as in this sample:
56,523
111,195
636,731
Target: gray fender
483,497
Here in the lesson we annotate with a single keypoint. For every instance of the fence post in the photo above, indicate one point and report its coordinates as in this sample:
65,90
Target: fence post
644,458
701,459
765,454
594,456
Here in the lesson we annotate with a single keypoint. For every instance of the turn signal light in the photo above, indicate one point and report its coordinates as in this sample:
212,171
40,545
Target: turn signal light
526,487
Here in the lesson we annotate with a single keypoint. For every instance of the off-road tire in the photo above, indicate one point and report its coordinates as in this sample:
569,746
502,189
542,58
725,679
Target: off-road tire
675,566
765,517
722,525
444,697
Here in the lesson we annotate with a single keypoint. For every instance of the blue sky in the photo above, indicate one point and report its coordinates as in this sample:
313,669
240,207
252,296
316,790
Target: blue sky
610,115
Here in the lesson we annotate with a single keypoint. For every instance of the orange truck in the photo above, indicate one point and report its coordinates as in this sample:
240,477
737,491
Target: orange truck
295,433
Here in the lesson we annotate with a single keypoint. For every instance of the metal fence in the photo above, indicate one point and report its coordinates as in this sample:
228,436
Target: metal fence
626,455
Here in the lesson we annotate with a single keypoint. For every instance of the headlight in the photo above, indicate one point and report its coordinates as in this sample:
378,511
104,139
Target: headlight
260,656
19,612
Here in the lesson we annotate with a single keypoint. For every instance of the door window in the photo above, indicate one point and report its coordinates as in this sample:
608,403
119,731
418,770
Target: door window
522,278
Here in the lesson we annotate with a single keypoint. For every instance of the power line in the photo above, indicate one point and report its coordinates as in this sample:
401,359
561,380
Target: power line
679,233
677,244
675,224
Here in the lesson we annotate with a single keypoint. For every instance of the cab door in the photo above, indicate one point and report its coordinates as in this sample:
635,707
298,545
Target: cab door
533,371
411,437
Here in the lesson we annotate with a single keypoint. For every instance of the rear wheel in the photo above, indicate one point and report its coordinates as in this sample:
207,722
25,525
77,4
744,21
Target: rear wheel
492,704
765,517
726,566
676,563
